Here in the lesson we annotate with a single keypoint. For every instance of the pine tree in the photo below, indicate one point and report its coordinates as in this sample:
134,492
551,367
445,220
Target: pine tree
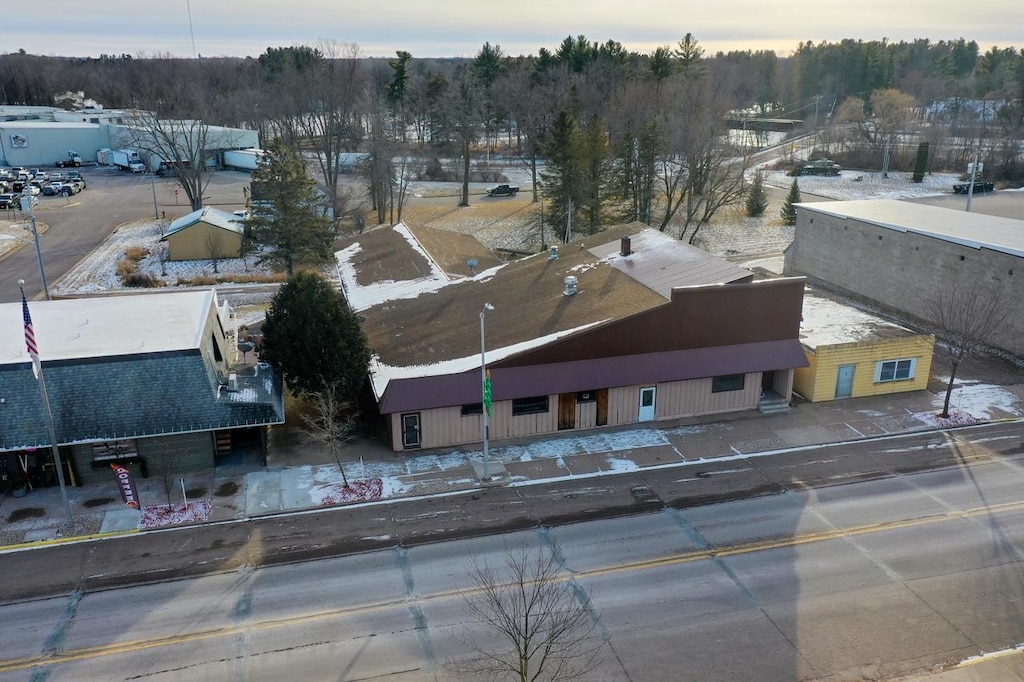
288,215
314,339
922,162
788,212
757,198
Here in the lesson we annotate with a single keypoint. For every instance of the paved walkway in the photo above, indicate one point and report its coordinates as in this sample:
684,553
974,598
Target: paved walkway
301,475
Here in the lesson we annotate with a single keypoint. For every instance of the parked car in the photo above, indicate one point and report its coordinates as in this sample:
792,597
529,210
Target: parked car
53,189
32,189
56,177
69,188
76,176
10,201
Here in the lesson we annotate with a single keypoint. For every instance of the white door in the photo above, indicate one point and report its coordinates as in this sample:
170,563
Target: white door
647,403
844,381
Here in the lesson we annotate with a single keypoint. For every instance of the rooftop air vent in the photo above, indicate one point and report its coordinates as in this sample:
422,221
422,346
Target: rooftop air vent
624,247
554,253
570,285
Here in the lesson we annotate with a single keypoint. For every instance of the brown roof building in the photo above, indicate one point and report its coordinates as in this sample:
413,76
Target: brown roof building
627,325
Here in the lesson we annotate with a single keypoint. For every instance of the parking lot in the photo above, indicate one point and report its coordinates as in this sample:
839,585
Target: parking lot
75,224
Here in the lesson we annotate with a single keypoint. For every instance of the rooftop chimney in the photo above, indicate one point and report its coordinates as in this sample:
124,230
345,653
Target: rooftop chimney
554,253
570,285
624,247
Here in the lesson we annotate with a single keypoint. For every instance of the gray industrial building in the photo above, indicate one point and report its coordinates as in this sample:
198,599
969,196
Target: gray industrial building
899,254
41,136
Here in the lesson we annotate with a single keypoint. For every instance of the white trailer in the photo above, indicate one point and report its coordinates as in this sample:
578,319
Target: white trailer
243,159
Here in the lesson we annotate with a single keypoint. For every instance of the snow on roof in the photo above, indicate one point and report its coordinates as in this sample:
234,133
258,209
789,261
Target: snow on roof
381,374
209,215
363,296
827,322
8,125
974,230
107,326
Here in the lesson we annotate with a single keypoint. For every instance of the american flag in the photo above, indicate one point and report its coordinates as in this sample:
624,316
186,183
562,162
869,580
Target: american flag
30,335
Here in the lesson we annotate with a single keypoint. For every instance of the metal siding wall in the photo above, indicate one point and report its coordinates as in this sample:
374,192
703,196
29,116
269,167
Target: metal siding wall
865,357
623,405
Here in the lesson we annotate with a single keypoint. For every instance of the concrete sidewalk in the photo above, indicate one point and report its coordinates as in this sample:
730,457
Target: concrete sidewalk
302,475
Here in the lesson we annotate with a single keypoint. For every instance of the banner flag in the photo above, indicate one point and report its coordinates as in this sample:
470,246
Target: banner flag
125,482
487,393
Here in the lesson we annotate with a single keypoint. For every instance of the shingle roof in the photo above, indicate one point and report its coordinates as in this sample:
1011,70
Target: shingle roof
129,397
209,215
427,325
960,227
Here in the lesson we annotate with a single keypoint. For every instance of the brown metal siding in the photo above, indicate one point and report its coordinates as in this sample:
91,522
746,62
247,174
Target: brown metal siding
698,317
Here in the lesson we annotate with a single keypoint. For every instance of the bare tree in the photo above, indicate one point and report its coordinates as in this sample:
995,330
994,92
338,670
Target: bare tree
544,620
333,125
331,423
215,247
178,144
967,319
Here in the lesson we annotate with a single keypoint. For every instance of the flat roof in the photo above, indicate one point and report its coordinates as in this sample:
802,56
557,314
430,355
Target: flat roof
36,125
974,230
106,326
826,322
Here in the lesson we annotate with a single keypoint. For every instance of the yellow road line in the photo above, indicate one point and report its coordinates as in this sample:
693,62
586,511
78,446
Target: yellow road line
663,562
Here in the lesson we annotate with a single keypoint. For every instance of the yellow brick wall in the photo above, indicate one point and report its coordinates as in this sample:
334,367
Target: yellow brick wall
818,382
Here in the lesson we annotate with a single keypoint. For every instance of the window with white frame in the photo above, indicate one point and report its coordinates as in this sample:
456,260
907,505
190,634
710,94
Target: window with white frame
895,370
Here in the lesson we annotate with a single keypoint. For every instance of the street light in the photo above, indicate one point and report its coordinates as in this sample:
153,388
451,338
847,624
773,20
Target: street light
483,392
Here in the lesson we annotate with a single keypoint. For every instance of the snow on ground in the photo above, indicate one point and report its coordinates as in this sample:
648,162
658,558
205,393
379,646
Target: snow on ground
162,515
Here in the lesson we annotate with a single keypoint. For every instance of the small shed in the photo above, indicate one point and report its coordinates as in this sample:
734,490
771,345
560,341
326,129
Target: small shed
205,233
852,353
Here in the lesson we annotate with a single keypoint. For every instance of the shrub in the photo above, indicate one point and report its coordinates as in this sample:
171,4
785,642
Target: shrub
142,280
136,253
126,268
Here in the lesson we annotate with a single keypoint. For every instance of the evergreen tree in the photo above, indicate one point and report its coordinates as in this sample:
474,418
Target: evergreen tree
921,165
562,179
288,215
788,212
757,198
312,337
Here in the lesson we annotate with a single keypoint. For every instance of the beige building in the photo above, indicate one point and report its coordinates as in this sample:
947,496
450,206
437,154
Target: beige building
205,234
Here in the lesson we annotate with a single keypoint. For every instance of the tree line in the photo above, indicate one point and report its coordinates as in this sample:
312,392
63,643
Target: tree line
607,134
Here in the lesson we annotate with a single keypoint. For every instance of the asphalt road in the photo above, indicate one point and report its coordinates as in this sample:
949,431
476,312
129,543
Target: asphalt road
906,567
262,541
80,223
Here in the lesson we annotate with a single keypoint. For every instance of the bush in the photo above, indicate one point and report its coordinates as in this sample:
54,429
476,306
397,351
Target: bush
231,278
136,253
126,268
142,280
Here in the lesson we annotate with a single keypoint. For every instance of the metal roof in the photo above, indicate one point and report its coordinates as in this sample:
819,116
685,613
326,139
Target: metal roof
209,215
661,262
973,230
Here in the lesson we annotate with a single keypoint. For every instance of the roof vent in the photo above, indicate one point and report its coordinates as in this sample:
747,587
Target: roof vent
554,253
471,264
570,285
624,247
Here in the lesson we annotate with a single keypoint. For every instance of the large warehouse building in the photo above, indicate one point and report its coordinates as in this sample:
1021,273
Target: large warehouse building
41,136
900,254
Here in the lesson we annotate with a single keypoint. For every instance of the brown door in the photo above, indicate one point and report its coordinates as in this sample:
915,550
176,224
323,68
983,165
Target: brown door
566,411
602,407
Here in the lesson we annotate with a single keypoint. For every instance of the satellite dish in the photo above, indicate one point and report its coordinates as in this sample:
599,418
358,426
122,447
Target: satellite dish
471,263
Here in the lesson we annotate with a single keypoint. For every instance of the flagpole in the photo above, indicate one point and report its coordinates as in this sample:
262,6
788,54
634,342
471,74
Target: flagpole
29,334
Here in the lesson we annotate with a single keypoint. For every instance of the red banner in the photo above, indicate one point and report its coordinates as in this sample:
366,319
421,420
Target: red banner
126,484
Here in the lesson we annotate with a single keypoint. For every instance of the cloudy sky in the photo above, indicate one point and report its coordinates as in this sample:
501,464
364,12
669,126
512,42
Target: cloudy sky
451,28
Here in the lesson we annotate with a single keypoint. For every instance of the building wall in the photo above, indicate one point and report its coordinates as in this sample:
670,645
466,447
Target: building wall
46,144
444,427
192,243
174,454
817,383
901,270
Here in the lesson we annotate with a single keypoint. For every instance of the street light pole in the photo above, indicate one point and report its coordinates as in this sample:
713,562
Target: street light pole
483,393
27,197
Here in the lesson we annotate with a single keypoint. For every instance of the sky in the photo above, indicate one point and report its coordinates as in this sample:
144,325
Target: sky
457,28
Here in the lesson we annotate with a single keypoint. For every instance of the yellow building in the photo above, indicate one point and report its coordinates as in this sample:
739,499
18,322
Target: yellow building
853,354
205,234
